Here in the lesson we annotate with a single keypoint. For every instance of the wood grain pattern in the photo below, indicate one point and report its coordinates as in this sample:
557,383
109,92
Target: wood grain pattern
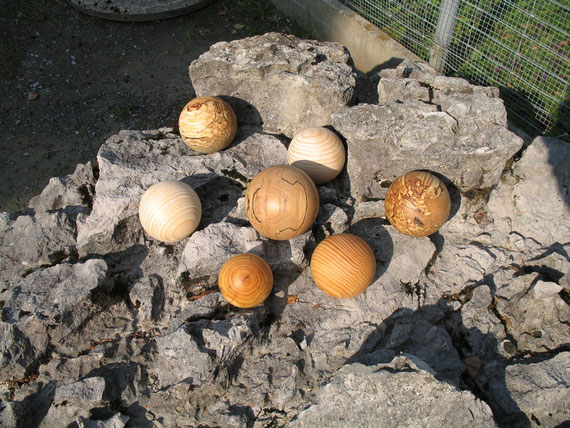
245,280
207,124
317,151
417,203
170,211
343,265
281,202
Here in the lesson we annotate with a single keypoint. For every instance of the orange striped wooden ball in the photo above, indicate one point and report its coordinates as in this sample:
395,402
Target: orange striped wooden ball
170,211
417,203
317,151
245,280
207,124
343,265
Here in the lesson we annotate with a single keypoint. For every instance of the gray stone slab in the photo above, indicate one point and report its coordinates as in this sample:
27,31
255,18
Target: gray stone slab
138,10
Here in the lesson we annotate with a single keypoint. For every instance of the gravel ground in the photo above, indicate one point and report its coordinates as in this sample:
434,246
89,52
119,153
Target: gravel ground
69,80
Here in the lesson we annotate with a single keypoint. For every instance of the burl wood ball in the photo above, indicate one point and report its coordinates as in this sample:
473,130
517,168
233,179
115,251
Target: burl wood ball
343,265
417,203
245,280
170,211
317,151
207,124
281,202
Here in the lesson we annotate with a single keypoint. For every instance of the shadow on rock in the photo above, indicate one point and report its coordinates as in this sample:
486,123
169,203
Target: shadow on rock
246,113
436,335
372,230
218,196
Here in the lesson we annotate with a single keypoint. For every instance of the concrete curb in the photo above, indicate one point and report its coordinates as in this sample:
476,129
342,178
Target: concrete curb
138,10
370,48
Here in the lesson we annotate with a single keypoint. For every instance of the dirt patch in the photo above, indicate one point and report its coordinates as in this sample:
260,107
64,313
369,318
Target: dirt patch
69,80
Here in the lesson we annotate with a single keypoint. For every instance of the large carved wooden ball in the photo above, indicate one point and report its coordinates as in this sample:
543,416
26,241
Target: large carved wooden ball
207,124
317,151
281,202
343,265
417,203
170,211
245,280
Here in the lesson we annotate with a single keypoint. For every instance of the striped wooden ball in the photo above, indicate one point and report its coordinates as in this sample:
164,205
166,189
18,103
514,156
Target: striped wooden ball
170,211
417,203
317,151
343,265
245,280
207,124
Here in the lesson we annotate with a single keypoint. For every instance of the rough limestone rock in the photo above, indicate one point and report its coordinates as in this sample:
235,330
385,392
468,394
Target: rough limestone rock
521,223
437,123
535,313
28,242
528,393
102,326
75,190
282,82
379,395
533,201
132,161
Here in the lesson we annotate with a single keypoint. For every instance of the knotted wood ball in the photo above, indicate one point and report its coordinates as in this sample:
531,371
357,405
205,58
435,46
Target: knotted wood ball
417,203
317,151
170,211
245,280
281,202
207,124
343,265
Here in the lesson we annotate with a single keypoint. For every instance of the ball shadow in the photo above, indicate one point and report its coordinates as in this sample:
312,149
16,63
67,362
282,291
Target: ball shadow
278,255
246,113
374,232
218,196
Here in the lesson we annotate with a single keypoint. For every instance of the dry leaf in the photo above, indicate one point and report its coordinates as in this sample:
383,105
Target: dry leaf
317,306
292,299
222,12
32,96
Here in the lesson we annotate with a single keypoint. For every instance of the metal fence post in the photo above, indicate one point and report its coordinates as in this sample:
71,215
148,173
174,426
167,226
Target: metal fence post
443,33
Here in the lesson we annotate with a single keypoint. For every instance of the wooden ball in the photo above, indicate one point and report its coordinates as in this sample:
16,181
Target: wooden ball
317,151
343,265
281,202
207,124
170,211
417,203
245,280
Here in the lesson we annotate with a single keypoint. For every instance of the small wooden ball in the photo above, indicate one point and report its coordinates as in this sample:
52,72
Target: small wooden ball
417,203
343,265
281,202
207,124
170,211
245,280
317,151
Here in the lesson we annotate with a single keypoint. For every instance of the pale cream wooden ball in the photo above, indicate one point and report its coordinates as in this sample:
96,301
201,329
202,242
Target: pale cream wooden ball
207,124
317,151
170,211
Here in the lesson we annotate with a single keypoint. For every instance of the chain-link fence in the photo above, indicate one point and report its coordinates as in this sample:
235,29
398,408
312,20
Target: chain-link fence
520,46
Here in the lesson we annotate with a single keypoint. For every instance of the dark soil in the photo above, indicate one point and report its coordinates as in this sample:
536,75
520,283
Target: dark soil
69,80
